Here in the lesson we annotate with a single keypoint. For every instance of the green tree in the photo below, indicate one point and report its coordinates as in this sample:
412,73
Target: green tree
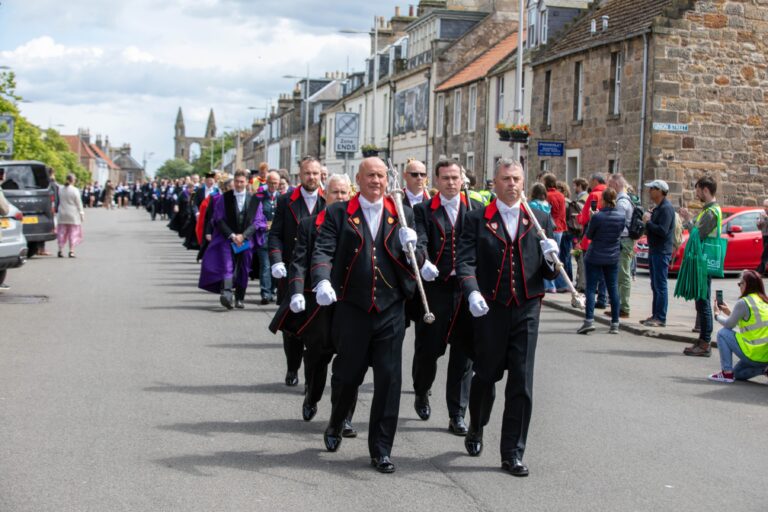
203,164
175,168
32,143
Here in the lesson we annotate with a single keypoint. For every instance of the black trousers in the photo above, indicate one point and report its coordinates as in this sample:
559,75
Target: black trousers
431,344
505,339
764,258
293,348
364,339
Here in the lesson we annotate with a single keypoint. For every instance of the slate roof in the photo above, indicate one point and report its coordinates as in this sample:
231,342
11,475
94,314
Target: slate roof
479,67
627,18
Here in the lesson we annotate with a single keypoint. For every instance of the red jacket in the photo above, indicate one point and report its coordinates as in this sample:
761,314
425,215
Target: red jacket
595,195
557,201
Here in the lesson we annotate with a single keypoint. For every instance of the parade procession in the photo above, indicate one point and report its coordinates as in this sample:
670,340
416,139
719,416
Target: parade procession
448,256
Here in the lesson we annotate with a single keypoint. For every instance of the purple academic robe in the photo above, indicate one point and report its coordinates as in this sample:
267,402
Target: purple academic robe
218,261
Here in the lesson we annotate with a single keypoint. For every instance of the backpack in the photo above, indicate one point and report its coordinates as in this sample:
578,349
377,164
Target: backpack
678,238
636,227
571,212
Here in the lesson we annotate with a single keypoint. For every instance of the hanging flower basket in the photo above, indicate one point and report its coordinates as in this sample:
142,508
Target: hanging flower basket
369,150
513,132
519,136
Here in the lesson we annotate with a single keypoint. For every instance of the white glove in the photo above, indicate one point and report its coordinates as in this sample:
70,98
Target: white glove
407,236
477,304
429,272
297,303
549,247
278,270
324,293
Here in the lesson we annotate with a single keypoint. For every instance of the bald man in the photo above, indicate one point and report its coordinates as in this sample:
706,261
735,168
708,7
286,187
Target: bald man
415,176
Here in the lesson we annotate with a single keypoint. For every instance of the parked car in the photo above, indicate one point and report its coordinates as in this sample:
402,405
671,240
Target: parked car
27,186
13,244
745,242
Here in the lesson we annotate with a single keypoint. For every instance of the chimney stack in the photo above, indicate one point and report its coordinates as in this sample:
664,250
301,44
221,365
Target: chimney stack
410,10
397,11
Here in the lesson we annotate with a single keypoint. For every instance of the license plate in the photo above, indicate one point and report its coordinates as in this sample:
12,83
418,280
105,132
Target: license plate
642,255
5,223
30,220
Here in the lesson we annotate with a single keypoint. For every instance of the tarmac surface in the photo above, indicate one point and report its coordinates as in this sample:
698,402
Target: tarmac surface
125,388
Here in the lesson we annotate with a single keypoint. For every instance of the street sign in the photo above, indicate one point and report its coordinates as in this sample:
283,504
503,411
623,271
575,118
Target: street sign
347,132
6,135
551,148
670,127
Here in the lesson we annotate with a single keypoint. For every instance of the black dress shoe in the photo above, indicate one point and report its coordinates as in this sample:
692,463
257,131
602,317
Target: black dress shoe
264,302
226,299
308,410
474,443
383,464
457,426
332,439
514,467
291,378
239,304
348,430
421,405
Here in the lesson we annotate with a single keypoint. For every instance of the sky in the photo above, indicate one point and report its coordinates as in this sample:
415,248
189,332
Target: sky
123,69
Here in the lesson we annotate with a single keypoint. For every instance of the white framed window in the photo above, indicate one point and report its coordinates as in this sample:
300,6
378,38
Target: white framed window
470,162
472,109
499,99
439,114
457,111
533,14
578,91
616,69
544,18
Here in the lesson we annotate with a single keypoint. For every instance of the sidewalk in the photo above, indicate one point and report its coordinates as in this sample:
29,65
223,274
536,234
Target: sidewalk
681,315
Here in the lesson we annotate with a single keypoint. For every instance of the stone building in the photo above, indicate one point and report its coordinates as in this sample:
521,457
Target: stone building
667,89
184,145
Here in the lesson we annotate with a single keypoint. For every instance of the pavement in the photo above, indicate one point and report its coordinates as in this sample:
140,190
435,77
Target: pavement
125,388
681,314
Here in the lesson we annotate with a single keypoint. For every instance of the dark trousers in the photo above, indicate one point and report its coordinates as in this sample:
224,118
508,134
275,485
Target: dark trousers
293,348
704,312
764,258
364,339
658,268
427,351
505,339
608,274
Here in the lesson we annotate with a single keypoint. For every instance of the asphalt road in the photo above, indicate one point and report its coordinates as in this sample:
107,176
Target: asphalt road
128,389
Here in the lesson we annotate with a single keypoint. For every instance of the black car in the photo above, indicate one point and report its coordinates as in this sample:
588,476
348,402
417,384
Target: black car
27,186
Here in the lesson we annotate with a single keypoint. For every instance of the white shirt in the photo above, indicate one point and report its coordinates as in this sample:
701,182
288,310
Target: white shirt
510,215
451,206
240,196
372,213
310,199
414,198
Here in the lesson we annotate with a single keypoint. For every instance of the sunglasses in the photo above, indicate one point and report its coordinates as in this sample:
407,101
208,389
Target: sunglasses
418,174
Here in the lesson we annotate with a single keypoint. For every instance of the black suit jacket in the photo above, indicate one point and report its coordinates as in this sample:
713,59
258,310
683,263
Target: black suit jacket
407,202
234,223
482,250
289,211
338,244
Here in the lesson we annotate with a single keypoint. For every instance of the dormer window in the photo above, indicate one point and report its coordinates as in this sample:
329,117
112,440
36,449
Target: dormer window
543,22
533,15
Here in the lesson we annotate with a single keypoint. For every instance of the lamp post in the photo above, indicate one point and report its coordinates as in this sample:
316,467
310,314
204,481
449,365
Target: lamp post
375,70
306,107
519,78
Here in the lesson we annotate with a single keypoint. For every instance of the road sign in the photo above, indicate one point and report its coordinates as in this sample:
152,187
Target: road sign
347,133
551,148
670,127
6,135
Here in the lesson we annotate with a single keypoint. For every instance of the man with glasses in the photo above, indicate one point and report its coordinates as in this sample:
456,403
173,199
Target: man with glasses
415,175
305,200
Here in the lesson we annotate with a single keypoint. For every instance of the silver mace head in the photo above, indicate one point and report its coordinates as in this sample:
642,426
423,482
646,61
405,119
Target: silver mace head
429,318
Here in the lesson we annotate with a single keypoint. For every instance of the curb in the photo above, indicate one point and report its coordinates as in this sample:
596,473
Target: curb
637,330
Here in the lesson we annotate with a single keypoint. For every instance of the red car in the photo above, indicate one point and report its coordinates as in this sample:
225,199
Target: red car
745,242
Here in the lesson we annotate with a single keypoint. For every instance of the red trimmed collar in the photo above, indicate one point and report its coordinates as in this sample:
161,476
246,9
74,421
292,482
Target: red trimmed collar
436,202
297,193
491,210
354,205
320,218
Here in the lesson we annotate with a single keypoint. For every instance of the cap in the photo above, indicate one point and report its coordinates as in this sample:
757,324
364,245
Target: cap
659,184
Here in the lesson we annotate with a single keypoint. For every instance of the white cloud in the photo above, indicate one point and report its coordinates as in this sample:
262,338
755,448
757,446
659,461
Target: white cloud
133,54
45,48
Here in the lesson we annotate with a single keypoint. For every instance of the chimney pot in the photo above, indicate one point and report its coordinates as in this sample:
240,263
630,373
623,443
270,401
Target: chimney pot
410,10
397,11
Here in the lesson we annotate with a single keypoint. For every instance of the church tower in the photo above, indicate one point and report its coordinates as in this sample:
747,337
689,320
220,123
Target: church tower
178,139
210,129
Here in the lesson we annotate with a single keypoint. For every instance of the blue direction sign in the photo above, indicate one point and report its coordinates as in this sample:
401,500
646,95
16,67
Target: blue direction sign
551,148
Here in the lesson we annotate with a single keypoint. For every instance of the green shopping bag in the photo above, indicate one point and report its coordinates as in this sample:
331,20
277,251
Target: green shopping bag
714,250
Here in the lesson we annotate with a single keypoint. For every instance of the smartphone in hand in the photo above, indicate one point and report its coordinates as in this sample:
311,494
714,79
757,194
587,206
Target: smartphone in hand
719,297
593,205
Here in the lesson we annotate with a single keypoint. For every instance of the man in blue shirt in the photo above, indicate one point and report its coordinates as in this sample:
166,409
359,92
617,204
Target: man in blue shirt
660,231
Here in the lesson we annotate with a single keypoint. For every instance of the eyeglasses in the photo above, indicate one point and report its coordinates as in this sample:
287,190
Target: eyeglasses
418,174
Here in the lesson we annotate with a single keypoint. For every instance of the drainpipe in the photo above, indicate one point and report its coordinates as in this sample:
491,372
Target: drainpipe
391,127
429,93
487,138
643,116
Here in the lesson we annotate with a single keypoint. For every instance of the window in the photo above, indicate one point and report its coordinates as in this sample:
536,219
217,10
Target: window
457,112
548,98
615,95
578,91
612,166
472,109
544,165
440,115
544,17
499,99
470,162
532,19
747,222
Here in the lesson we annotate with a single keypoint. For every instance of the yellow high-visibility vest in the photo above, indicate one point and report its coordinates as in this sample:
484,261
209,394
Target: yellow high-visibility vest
753,332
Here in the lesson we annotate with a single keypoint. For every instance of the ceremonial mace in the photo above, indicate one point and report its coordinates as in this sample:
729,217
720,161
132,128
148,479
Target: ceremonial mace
578,300
397,195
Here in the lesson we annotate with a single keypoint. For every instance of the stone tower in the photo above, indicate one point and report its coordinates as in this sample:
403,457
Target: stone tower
182,143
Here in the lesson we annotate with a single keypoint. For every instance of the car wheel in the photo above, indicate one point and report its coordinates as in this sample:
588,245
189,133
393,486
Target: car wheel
2,276
32,248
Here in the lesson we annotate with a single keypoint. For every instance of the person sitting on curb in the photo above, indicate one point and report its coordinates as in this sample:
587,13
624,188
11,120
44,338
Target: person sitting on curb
750,344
